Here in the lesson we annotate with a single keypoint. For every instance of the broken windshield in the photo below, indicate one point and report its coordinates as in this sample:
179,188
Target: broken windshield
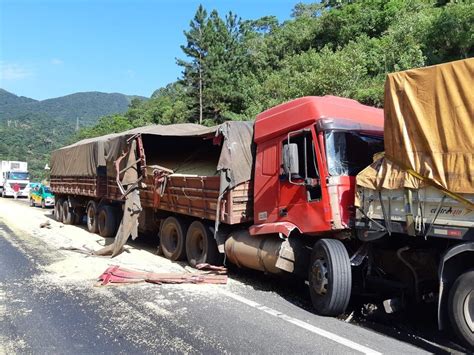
350,152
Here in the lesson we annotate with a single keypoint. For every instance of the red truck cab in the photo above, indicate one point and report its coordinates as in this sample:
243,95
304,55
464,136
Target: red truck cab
332,139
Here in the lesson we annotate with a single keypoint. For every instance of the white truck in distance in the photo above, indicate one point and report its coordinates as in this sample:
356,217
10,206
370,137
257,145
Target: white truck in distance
11,173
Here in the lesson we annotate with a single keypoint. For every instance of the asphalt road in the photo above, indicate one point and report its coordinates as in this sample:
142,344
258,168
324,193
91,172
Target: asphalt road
255,314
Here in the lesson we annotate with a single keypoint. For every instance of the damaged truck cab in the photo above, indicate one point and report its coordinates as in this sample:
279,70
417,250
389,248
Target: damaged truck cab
308,154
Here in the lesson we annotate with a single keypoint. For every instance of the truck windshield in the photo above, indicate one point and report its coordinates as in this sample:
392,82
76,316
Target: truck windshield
350,152
47,190
17,176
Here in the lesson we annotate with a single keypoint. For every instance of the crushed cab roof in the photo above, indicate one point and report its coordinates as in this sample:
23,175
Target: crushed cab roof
333,112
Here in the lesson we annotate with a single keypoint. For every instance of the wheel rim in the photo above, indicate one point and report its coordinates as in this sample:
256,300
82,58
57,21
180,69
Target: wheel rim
468,308
196,244
173,239
319,276
90,217
66,212
59,214
102,220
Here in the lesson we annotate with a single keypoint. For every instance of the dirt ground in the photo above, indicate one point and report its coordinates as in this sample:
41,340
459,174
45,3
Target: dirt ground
74,273
74,265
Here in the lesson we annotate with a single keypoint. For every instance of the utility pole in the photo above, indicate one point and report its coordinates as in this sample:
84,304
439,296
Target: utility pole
200,90
200,79
77,124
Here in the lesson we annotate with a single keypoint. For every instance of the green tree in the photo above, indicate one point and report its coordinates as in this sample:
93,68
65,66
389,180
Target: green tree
234,68
196,49
451,35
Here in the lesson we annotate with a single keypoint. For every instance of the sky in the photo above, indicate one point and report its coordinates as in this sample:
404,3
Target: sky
51,48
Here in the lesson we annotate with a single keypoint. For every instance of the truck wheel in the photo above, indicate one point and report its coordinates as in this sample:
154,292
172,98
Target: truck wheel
461,308
32,202
91,215
58,210
172,239
330,278
107,221
68,213
201,247
78,215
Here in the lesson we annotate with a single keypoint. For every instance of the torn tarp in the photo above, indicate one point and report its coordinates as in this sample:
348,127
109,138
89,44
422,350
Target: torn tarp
132,208
235,158
119,275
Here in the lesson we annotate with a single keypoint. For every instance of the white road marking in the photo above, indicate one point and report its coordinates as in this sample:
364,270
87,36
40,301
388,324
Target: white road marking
324,333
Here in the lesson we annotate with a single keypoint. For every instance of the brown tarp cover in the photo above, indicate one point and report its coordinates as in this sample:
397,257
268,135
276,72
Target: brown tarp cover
235,161
429,128
384,174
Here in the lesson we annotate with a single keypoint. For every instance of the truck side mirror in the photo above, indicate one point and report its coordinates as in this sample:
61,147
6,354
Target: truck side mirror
290,159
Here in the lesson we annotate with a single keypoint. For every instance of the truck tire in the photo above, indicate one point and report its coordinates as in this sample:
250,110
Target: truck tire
330,278
79,215
173,239
91,215
107,221
58,210
32,202
68,213
461,308
201,247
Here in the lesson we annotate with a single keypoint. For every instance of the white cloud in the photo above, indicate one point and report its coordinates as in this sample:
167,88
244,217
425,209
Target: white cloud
56,61
13,71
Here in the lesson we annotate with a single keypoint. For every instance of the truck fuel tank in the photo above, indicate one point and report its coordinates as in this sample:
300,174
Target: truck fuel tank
259,252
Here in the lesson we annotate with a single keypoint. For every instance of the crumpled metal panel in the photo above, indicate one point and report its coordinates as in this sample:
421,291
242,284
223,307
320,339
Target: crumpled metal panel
284,228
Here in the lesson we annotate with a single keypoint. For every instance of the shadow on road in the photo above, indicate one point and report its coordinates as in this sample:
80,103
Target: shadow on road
417,327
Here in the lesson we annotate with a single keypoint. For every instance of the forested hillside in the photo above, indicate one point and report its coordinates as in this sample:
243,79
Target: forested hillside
7,98
234,68
85,106
31,129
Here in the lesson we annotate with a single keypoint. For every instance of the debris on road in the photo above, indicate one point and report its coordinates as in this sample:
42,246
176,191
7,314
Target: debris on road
218,269
349,317
82,250
46,224
118,275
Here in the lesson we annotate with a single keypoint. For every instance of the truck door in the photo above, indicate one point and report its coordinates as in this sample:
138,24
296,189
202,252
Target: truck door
301,196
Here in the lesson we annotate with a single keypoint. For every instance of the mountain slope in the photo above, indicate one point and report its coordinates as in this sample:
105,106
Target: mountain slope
30,129
87,106
7,98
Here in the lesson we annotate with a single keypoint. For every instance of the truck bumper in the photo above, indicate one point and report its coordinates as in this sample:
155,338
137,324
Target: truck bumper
10,193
